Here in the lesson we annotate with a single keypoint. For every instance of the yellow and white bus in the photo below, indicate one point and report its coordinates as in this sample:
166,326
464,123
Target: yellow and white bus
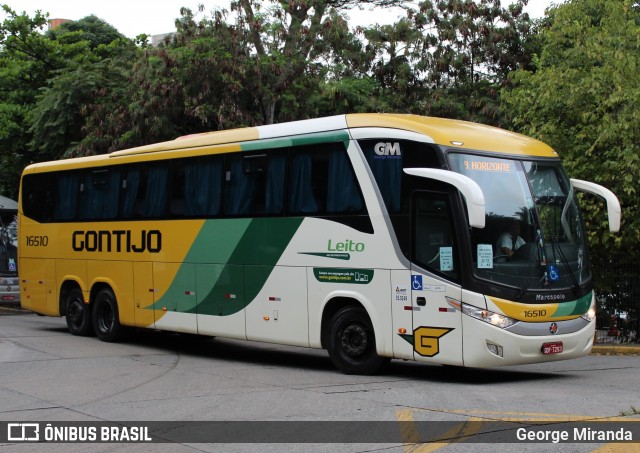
374,236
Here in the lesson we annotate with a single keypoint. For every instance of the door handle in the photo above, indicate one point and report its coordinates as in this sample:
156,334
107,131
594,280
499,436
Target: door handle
421,301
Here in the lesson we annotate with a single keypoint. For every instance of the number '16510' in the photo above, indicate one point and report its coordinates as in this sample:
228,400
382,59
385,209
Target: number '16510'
37,241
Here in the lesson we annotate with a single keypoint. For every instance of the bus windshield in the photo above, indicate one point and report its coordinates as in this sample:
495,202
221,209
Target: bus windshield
533,239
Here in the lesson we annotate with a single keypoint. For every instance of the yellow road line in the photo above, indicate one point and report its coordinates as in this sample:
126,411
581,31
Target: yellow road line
413,443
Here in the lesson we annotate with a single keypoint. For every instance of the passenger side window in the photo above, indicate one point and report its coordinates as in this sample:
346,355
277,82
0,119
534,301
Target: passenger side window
433,236
322,181
254,184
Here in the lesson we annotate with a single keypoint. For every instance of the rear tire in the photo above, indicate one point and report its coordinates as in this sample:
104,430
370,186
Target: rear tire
78,314
352,342
106,321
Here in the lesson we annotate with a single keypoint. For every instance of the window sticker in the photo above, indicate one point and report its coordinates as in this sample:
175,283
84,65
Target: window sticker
485,256
446,259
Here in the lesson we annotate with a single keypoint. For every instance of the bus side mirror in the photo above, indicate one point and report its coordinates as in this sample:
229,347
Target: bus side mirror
613,205
471,191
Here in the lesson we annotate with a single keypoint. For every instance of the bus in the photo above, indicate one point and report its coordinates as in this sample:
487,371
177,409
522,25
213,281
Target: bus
373,236
9,283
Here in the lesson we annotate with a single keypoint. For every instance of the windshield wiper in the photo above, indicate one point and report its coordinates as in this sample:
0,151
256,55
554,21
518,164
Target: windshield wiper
565,262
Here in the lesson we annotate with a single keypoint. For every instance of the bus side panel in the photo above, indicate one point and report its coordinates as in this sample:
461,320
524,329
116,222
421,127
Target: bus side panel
38,286
175,291
143,294
402,314
221,300
73,270
278,313
119,276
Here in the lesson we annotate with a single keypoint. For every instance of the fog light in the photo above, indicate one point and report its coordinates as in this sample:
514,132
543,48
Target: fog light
494,349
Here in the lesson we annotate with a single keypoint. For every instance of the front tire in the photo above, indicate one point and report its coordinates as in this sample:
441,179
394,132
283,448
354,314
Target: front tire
106,322
352,342
78,314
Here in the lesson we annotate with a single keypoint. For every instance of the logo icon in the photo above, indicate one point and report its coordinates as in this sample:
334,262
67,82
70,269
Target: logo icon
387,149
416,282
553,328
29,432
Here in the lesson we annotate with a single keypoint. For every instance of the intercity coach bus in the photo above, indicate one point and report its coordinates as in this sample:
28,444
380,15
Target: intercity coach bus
374,236
9,284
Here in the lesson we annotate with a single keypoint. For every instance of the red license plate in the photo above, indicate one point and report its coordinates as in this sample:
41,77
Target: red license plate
552,348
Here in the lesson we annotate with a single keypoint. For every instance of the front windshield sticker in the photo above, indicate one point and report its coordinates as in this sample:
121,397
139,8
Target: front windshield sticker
485,256
483,165
446,259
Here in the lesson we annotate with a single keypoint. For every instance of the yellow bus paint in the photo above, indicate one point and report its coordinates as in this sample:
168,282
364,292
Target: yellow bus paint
446,132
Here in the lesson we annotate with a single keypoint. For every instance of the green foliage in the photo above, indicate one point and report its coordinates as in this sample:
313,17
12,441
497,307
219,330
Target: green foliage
583,100
92,29
450,57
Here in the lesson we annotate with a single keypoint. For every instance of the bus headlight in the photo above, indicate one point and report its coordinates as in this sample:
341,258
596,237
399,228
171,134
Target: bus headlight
495,319
590,315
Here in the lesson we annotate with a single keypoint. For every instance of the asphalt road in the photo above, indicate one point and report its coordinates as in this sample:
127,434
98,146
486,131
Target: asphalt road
48,375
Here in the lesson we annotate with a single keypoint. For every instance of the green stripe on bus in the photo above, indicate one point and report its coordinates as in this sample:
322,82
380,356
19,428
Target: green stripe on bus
232,259
301,140
576,307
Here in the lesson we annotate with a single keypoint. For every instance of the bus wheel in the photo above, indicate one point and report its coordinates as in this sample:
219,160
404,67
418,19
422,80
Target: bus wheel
106,322
78,314
352,342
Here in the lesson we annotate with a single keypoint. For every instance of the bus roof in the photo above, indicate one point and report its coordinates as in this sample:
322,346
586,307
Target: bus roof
447,132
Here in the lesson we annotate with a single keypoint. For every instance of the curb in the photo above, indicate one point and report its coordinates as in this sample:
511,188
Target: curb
615,349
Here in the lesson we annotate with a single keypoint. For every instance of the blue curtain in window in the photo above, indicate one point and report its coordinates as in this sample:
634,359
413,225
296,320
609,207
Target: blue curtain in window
239,193
99,197
130,192
202,188
156,195
275,184
388,174
66,197
343,194
301,198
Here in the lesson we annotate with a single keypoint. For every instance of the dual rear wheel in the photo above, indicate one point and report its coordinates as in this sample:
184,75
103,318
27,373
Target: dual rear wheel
100,318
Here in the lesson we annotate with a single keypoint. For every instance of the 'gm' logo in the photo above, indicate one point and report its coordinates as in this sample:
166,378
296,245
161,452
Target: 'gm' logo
387,149
426,340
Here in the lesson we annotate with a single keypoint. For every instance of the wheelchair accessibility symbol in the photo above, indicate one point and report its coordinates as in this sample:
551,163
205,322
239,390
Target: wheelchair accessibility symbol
416,282
554,276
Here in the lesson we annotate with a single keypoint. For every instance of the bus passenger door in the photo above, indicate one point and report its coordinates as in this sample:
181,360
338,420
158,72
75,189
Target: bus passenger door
437,326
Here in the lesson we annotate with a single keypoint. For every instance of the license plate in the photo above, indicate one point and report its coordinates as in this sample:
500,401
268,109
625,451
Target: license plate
552,348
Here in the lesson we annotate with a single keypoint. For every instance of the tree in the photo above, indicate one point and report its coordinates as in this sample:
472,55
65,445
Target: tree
261,62
582,99
27,60
450,57
92,28
59,121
